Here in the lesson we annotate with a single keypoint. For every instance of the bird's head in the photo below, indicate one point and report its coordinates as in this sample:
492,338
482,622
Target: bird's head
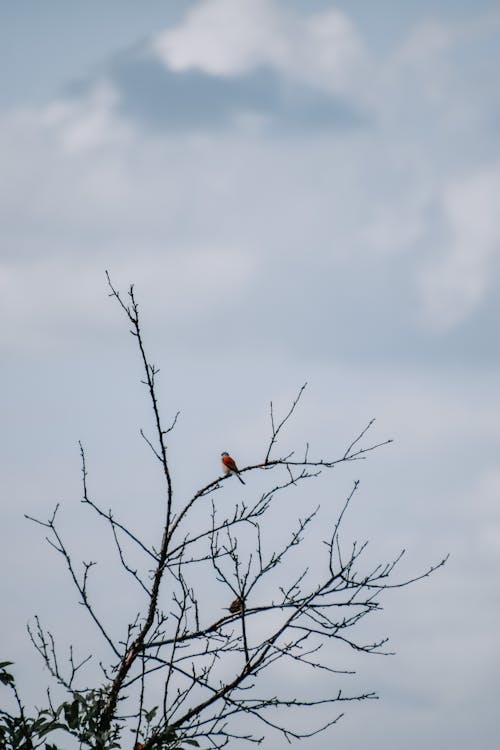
225,453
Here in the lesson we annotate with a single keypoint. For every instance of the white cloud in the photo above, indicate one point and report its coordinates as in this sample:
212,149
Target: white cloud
222,37
455,283
87,122
231,37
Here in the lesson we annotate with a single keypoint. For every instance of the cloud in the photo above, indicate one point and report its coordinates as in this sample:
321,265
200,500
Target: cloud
256,67
88,121
456,282
369,227
234,37
259,101
253,67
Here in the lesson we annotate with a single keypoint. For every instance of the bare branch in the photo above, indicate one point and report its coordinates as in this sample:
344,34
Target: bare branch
204,657
276,430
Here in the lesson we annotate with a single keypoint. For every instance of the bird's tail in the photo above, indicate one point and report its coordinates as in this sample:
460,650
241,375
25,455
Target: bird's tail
241,480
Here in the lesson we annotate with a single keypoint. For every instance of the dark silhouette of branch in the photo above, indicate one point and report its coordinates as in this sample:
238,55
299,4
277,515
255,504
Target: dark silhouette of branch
275,430
80,584
203,663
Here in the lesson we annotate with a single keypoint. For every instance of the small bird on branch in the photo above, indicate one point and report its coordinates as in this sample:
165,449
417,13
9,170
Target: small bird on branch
229,466
236,605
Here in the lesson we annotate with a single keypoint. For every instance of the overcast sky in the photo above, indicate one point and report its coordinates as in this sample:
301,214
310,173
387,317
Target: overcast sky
299,191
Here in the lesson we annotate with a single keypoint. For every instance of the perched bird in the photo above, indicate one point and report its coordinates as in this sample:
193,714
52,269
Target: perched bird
236,606
229,466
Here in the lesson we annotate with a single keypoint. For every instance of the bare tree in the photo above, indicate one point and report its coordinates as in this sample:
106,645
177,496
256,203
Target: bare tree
180,677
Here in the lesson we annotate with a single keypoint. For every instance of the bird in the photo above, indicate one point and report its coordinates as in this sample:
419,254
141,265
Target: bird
229,466
236,605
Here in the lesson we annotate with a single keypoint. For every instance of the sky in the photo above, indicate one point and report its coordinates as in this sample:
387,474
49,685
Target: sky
300,191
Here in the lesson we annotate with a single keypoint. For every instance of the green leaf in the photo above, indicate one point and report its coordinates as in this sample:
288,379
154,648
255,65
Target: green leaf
5,677
71,714
150,714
